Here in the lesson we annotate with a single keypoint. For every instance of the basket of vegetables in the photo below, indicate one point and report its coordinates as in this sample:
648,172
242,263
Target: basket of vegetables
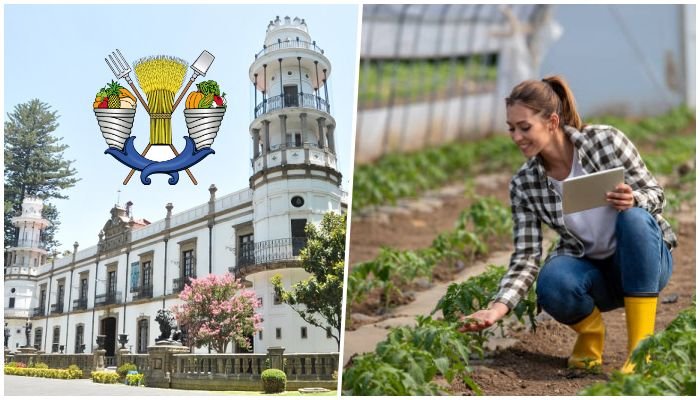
115,108
204,110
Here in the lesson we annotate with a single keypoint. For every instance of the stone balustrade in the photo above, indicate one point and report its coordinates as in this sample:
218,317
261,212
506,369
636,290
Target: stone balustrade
140,360
169,366
230,366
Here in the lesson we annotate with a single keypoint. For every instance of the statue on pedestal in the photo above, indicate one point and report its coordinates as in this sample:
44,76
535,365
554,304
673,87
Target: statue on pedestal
27,331
169,334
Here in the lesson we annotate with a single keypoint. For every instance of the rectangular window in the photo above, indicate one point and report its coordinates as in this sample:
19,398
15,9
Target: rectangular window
112,283
79,338
303,332
188,264
278,333
142,336
259,335
260,302
246,247
12,302
38,334
83,288
147,275
61,296
56,339
298,235
297,139
328,332
42,299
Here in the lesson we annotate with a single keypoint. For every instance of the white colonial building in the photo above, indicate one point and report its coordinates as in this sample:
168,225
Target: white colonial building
138,267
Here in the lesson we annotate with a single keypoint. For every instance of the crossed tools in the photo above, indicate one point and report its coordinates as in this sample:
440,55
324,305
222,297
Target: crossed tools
121,69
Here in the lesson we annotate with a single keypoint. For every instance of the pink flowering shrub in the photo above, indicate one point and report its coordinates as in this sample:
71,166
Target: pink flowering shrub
217,310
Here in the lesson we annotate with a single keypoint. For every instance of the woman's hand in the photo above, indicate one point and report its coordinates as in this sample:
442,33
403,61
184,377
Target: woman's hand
621,198
482,319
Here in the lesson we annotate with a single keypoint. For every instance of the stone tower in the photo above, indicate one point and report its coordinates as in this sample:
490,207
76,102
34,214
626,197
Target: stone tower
295,177
21,267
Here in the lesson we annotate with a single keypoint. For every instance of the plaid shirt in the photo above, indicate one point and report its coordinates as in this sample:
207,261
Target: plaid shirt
534,200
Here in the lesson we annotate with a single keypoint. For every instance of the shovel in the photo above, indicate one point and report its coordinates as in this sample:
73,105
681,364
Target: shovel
200,67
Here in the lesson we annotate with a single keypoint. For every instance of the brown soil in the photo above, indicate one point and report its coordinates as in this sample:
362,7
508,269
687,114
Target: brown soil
536,365
406,228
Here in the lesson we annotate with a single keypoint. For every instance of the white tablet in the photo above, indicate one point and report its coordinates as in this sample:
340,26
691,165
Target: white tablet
589,191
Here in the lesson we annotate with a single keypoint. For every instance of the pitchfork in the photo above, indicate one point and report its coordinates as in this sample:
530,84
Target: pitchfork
121,69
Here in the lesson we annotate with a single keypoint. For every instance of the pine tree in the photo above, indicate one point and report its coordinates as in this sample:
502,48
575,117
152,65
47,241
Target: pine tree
34,165
319,299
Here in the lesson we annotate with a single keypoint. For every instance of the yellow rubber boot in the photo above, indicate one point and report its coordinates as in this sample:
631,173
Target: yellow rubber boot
588,350
641,315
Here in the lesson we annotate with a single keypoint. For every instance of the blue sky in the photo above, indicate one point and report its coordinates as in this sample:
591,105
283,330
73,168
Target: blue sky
56,53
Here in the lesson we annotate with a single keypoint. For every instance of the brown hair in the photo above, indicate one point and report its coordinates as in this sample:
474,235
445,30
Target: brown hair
550,95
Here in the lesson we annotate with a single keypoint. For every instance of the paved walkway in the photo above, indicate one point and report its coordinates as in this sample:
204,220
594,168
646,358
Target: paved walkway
28,386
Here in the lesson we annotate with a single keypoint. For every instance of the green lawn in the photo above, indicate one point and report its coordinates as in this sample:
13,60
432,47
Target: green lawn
333,393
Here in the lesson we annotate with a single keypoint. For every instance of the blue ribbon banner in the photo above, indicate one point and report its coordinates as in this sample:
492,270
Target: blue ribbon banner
132,159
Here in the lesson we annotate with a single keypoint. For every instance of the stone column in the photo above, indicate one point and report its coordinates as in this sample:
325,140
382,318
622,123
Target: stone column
283,129
266,147
302,117
256,142
331,138
162,364
121,353
276,356
321,135
99,359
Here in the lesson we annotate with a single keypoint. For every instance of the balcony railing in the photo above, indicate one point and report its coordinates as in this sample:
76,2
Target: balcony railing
108,298
80,304
35,244
179,283
38,312
270,250
57,308
142,292
290,44
306,100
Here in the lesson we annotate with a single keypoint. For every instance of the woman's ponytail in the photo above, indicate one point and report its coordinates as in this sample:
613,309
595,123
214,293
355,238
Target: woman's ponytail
568,113
550,95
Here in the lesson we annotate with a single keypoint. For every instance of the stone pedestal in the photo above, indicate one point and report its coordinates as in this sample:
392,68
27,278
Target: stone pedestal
120,354
161,364
276,355
99,362
26,350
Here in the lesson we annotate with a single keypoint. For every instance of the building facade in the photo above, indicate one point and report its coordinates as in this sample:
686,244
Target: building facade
139,267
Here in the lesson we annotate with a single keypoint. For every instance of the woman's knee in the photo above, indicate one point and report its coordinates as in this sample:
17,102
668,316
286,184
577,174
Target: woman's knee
555,282
634,219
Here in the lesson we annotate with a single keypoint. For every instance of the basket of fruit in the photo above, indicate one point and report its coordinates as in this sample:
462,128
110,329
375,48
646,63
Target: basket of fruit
115,108
204,110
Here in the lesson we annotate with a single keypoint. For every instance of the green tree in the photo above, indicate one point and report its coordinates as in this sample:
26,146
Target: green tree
319,299
34,165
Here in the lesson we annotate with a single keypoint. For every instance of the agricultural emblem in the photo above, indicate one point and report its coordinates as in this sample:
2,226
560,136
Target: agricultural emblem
160,77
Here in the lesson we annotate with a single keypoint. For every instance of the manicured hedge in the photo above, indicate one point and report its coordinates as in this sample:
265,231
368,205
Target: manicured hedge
45,372
104,377
134,379
274,381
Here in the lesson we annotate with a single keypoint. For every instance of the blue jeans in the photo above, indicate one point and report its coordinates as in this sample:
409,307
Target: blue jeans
568,287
